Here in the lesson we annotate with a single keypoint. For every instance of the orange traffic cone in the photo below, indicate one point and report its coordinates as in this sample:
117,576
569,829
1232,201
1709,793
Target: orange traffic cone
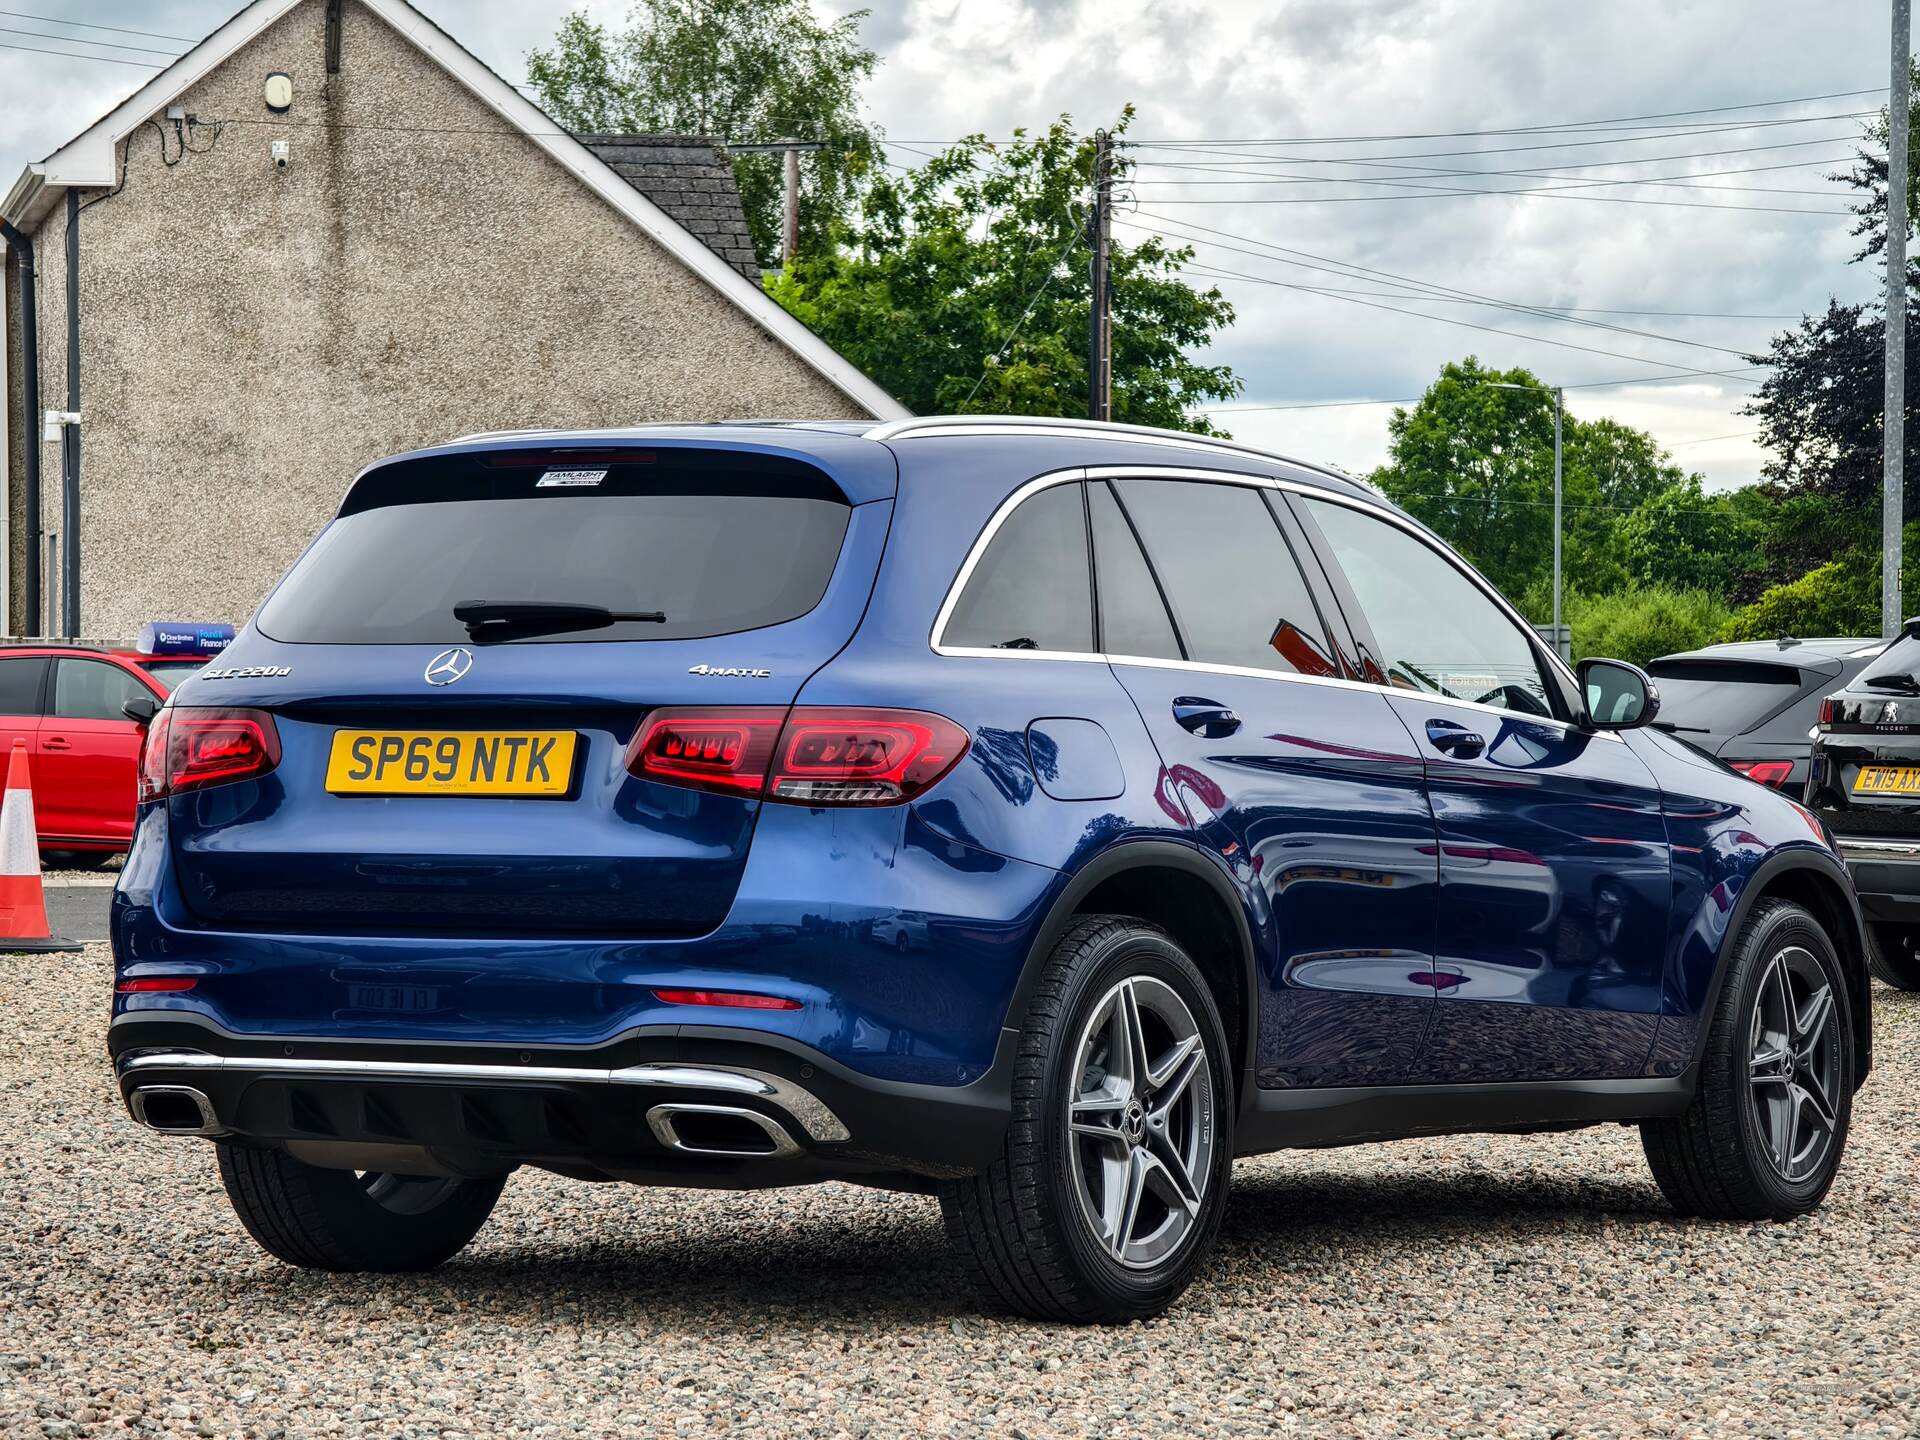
23,901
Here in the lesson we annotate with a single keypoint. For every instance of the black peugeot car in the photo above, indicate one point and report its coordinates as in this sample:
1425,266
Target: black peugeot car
1864,781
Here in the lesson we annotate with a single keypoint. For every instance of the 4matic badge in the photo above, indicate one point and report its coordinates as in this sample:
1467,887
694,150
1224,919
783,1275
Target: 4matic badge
738,672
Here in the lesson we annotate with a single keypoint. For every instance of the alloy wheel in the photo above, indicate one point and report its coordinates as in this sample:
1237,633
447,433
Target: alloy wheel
1140,1124
1794,1064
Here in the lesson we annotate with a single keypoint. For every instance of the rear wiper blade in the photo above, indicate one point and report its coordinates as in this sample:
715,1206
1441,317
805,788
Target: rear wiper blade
1893,682
543,616
1673,729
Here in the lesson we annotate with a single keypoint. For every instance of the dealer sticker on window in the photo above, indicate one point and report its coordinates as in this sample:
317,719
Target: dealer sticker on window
569,479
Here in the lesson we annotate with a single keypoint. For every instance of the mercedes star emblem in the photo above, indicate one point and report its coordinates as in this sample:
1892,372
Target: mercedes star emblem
449,665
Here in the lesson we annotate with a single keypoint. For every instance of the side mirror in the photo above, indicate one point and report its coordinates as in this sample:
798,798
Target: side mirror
141,709
1619,696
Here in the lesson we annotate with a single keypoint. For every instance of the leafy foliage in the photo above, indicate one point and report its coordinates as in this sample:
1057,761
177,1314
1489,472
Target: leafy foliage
964,286
1475,462
738,70
1841,597
1682,536
1644,622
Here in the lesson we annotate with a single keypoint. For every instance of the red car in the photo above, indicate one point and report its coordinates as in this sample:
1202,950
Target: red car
69,704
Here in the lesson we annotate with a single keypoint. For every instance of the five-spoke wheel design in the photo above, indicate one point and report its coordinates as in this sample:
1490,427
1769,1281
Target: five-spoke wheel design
1140,1126
1794,1062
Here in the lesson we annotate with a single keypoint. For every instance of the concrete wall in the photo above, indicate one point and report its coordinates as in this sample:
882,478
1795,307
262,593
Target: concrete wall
251,337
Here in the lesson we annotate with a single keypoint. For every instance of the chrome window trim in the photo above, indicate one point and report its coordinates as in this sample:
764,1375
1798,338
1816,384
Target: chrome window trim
1254,481
1071,475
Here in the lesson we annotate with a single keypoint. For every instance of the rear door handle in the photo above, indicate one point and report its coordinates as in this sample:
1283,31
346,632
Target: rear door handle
1454,741
55,742
1207,718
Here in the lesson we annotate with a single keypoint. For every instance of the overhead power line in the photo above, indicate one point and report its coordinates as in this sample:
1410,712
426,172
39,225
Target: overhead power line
1557,125
1473,325
1303,259
78,55
79,40
1415,399
1683,134
89,25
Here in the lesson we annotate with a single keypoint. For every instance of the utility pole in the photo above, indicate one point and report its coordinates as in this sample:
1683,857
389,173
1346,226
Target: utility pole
1559,414
790,217
1894,427
790,194
1100,312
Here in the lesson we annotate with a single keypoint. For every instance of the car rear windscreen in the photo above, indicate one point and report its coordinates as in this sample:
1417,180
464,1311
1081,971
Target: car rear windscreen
1902,657
1723,697
712,564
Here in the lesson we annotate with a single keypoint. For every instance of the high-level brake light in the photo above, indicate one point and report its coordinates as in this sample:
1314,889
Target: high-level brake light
809,755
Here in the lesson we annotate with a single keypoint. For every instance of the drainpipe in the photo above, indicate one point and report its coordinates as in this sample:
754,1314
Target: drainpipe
22,244
70,433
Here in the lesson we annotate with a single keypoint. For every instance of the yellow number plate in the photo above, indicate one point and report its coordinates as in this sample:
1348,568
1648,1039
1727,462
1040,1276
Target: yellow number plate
456,762
1887,780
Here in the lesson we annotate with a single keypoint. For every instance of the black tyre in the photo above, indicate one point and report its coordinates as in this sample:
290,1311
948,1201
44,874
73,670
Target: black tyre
1108,1196
350,1220
1896,955
1763,1136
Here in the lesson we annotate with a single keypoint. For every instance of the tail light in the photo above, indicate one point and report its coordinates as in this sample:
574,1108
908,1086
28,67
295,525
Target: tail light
809,755
190,748
1826,714
1772,773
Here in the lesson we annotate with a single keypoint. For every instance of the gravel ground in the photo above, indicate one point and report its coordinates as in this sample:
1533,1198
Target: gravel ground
1519,1287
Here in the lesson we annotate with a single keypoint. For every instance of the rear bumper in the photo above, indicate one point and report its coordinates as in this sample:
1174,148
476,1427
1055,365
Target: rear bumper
1886,875
676,1105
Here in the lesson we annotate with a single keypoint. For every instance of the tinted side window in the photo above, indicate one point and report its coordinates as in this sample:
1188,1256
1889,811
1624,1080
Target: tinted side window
1438,631
20,679
1032,589
1236,592
93,690
1133,617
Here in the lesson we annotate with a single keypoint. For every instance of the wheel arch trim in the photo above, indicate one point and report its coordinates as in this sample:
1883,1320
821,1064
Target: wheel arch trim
1760,885
1145,855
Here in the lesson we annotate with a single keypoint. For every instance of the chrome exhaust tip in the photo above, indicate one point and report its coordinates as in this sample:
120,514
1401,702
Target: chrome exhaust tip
720,1130
175,1110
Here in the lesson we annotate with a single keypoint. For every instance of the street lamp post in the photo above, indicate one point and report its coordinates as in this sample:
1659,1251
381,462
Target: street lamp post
1559,412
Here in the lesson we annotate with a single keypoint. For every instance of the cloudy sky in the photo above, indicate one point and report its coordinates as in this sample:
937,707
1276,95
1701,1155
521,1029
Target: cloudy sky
1641,280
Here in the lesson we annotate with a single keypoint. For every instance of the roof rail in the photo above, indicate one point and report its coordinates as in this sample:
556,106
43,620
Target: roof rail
931,426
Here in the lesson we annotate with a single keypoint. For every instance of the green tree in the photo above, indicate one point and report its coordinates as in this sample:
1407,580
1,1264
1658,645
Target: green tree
740,70
962,286
1475,461
1683,536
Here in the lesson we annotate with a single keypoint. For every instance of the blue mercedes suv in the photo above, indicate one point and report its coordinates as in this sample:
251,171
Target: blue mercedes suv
1034,813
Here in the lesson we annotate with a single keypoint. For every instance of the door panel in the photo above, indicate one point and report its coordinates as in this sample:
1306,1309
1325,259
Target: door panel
1554,889
1554,868
88,753
1317,802
22,685
1311,792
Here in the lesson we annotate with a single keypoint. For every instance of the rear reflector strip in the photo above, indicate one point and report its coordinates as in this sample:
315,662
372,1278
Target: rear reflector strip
157,985
732,999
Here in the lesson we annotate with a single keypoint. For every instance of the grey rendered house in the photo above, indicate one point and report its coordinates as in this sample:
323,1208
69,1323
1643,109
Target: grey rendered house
326,233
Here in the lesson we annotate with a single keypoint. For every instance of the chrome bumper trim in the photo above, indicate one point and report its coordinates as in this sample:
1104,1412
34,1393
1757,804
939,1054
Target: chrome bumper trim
819,1121
1874,849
